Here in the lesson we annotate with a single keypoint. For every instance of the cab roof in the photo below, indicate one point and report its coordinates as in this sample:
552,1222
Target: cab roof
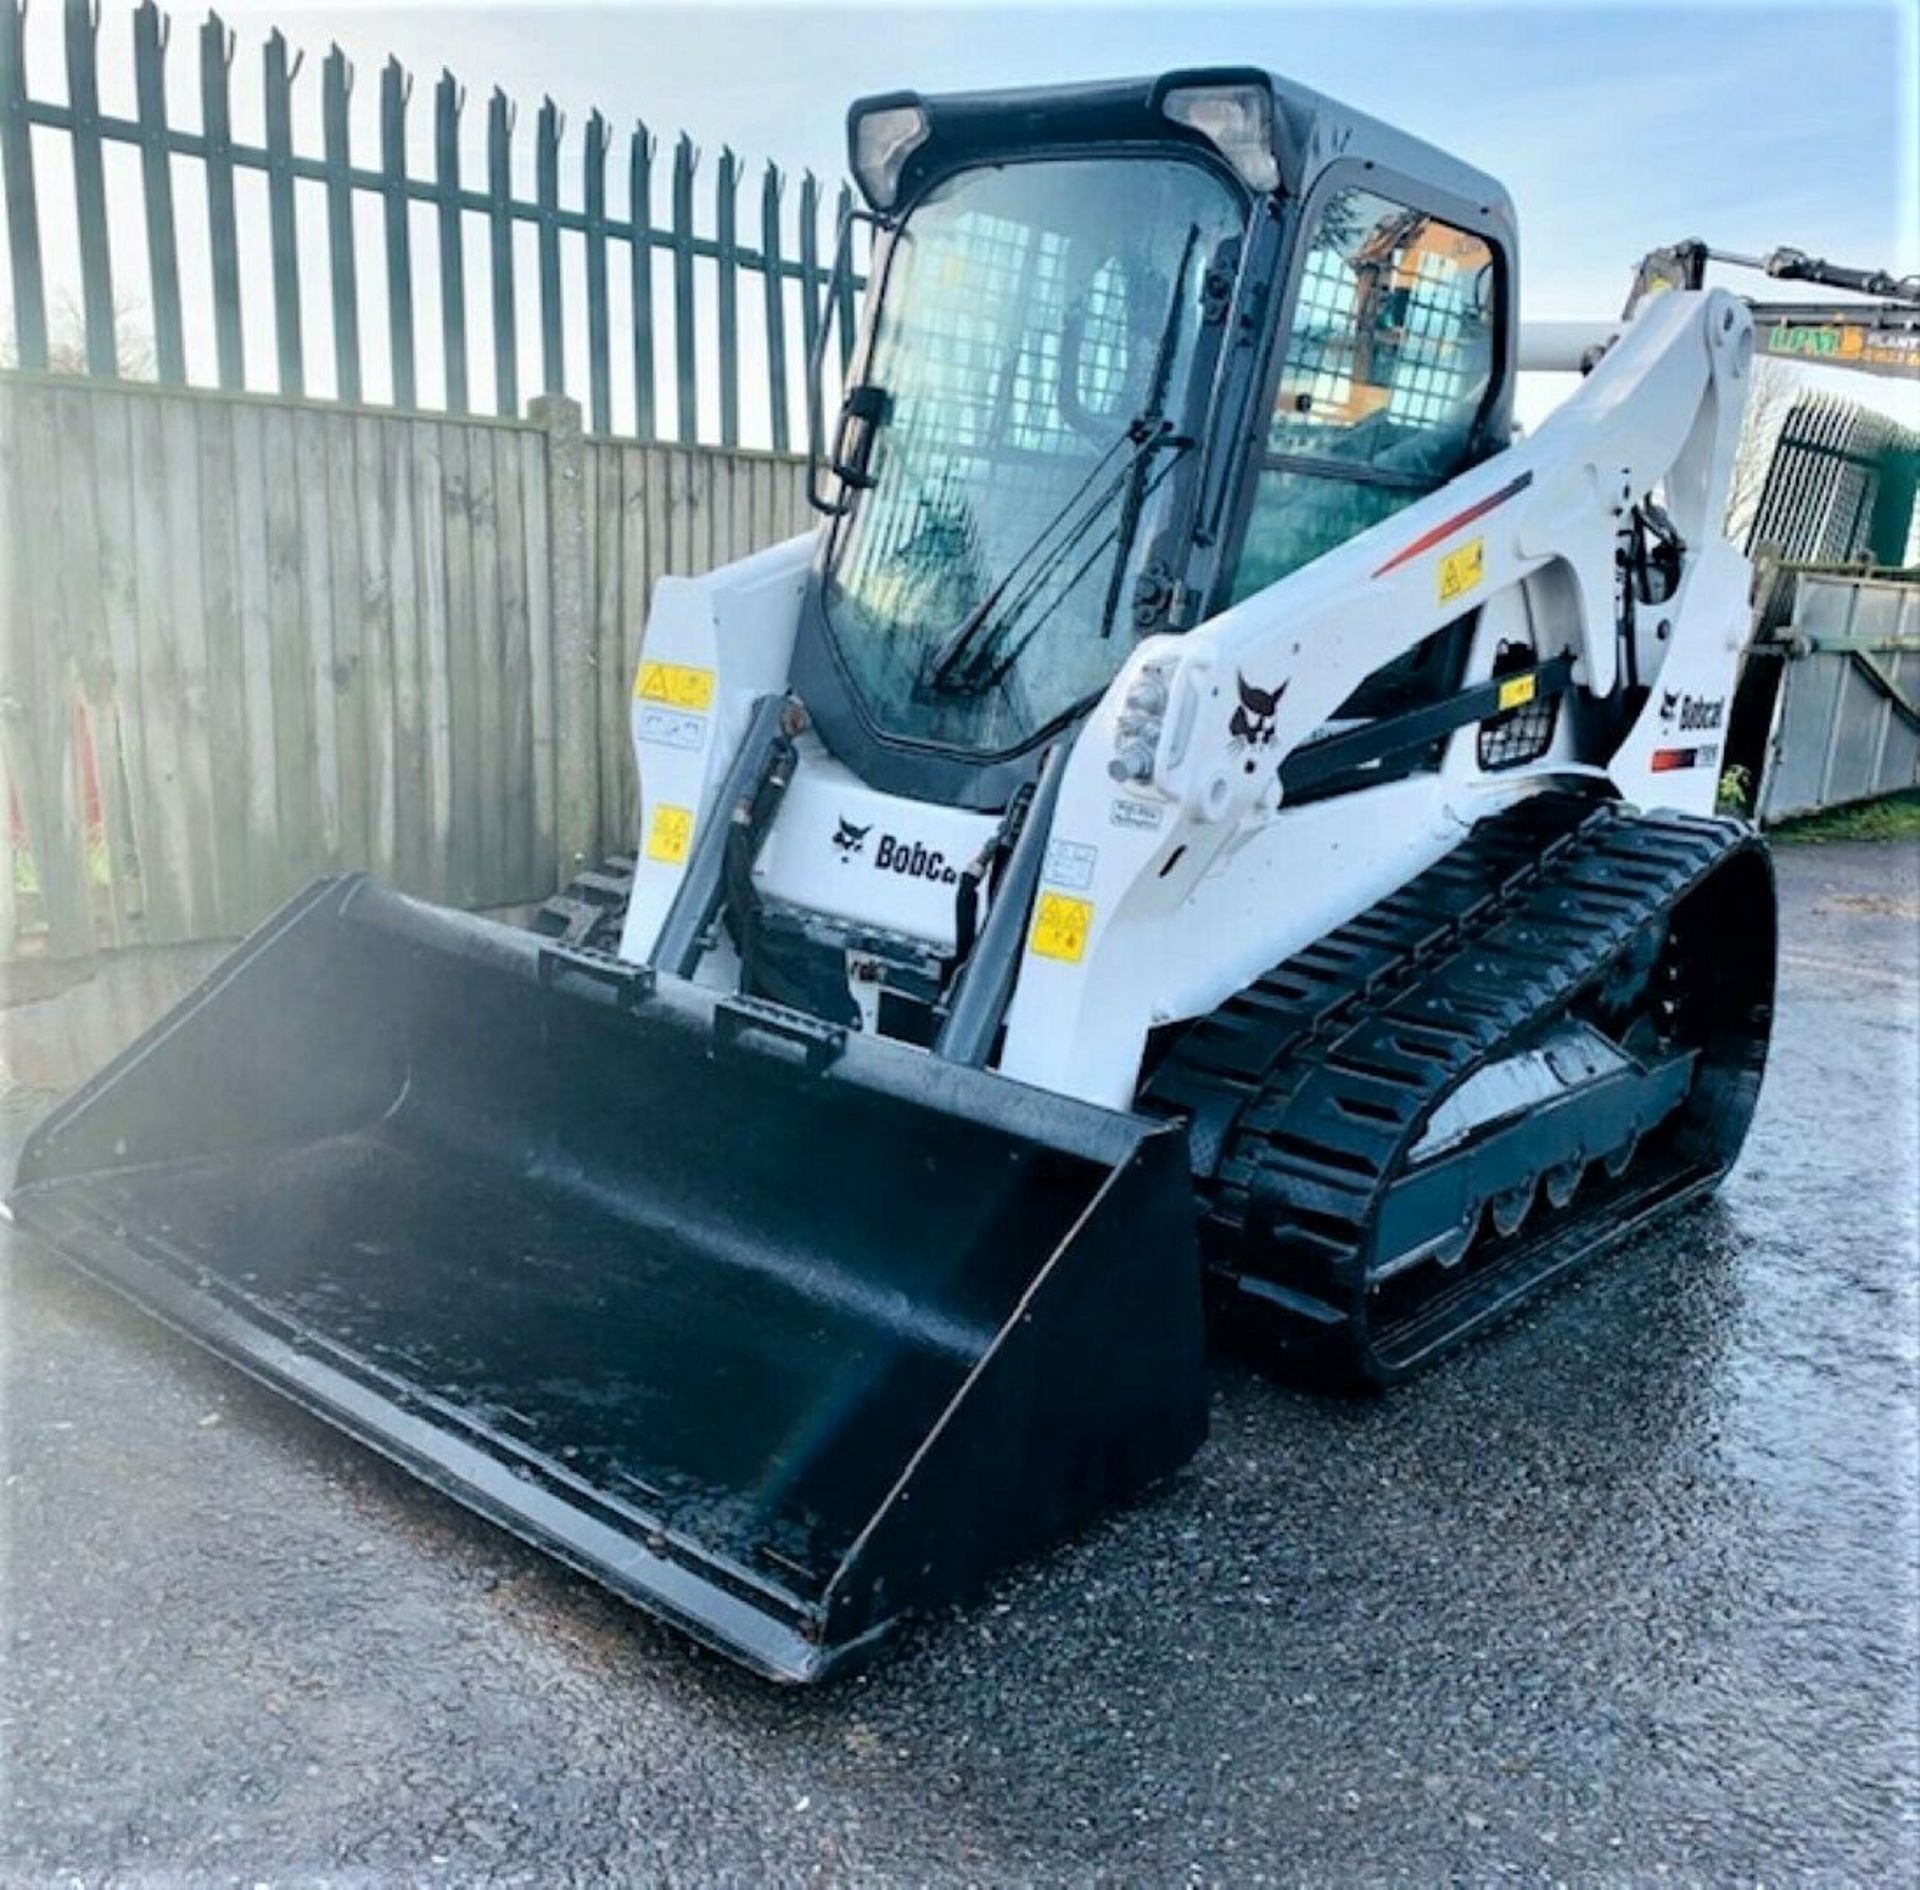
1310,130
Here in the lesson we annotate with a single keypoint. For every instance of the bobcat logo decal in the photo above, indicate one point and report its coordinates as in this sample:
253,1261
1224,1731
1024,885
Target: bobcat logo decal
850,839
1691,712
1253,718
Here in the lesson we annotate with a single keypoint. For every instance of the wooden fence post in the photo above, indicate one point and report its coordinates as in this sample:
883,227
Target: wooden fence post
570,627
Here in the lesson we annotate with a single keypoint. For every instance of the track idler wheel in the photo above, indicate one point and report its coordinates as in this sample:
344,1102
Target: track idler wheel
1562,1183
1509,1211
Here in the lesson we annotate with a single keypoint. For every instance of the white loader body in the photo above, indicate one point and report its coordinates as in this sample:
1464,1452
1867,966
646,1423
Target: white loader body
1162,896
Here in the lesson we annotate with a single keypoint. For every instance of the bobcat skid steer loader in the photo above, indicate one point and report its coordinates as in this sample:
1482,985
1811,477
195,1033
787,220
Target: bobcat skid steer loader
1209,825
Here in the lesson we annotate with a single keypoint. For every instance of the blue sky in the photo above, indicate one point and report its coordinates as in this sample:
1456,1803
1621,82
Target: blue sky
1616,128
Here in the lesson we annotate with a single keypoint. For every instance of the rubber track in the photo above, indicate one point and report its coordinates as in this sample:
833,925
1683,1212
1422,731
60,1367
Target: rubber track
1305,1093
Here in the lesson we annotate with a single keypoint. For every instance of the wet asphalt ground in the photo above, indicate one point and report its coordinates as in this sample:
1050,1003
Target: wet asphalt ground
1630,1592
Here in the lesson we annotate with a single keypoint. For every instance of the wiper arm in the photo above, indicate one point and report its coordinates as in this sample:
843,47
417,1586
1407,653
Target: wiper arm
991,677
969,653
951,653
1134,504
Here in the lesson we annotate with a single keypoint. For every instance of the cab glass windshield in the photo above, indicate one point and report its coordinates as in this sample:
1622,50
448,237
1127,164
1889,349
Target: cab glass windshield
1032,357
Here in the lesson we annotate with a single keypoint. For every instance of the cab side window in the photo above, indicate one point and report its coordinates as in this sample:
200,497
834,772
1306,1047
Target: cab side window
1388,363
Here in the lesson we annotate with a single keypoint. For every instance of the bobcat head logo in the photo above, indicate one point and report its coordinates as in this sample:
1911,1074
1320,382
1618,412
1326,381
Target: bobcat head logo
1252,724
850,839
1669,705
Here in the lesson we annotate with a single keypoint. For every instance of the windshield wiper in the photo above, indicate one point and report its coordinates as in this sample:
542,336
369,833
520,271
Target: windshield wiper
951,653
973,644
965,654
1134,504
989,678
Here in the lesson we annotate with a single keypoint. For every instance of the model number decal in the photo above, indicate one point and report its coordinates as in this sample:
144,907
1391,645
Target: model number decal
678,685
1668,760
1060,927
1146,815
1462,570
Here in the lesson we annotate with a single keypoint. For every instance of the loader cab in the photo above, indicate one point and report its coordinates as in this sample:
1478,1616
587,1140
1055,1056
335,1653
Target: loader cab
1131,352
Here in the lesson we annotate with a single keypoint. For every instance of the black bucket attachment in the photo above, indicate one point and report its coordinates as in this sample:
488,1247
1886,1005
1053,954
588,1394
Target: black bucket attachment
779,1334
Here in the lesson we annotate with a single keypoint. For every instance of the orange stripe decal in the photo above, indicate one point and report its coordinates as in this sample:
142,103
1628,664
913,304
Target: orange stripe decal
1427,540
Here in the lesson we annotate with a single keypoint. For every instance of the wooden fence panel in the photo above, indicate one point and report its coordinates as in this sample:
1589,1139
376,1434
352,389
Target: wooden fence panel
84,619
377,607
536,510
462,635
346,563
221,565
500,801
119,619
609,665
295,802
244,642
37,681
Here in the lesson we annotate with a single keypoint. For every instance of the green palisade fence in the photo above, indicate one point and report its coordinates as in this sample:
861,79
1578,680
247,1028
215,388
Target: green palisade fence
585,238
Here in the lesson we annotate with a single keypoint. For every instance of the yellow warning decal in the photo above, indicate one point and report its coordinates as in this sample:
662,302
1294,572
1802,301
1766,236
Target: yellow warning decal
1060,927
1517,691
1461,570
678,685
670,834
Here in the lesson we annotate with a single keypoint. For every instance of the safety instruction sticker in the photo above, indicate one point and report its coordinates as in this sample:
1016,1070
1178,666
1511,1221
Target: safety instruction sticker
1060,927
1070,863
670,834
1461,571
1517,691
678,685
671,728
